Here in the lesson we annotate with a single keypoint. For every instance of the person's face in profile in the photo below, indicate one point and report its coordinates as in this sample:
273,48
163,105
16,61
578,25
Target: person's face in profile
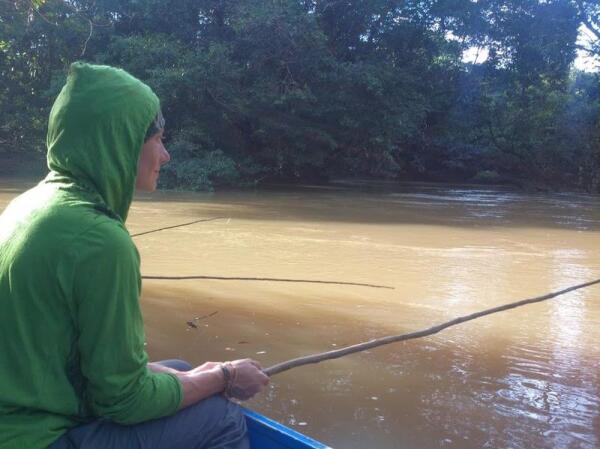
153,156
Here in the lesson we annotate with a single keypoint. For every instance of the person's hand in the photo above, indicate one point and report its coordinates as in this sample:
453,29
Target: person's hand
247,379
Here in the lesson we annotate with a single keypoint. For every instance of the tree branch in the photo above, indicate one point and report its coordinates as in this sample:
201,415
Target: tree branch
316,358
586,49
585,20
88,38
35,8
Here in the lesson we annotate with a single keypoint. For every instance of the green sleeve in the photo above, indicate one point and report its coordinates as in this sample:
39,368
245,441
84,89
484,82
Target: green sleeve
111,337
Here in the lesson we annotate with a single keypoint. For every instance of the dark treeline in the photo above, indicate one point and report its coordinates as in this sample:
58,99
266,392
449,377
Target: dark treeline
313,89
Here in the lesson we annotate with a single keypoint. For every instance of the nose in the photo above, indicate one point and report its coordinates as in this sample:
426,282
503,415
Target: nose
164,156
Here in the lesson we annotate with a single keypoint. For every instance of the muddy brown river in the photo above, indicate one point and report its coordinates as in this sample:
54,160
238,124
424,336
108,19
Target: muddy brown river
525,378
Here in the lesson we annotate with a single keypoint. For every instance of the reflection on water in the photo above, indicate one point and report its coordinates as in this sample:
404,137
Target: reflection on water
526,378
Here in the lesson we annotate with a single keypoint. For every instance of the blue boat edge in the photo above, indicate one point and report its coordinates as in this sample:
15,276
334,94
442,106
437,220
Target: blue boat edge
265,433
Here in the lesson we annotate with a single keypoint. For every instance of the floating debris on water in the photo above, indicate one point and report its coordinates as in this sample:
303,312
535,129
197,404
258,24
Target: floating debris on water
192,324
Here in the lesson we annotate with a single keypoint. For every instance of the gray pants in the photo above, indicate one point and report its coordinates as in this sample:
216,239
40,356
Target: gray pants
209,424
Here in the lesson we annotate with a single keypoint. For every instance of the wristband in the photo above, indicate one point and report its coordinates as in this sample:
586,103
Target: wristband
232,380
226,375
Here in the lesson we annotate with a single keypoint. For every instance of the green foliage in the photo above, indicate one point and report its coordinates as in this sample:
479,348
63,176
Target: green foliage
292,90
487,177
203,172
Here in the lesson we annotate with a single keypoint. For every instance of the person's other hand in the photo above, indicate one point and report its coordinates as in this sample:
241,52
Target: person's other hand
248,379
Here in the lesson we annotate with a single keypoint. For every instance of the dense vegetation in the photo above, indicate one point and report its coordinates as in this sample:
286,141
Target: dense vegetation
312,89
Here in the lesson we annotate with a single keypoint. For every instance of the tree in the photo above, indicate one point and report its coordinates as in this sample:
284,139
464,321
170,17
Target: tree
313,89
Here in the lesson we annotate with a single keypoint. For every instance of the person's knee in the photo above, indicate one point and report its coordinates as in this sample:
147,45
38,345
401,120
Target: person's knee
229,422
219,408
217,405
212,411
212,423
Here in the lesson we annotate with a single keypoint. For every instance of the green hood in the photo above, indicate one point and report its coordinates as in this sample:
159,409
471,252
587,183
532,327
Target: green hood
96,130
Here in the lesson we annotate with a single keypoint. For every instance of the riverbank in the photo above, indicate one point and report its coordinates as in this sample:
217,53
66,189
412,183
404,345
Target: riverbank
32,165
25,165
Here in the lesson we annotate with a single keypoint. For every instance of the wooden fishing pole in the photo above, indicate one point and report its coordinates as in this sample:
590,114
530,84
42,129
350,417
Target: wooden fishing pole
329,355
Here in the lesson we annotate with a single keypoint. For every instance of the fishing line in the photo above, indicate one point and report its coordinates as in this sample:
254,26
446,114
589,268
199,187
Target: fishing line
227,278
178,226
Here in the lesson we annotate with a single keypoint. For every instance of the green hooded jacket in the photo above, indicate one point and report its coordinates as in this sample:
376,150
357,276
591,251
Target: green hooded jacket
71,329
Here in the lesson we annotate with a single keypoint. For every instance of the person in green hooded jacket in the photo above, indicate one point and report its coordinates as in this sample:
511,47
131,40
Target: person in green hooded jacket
73,369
